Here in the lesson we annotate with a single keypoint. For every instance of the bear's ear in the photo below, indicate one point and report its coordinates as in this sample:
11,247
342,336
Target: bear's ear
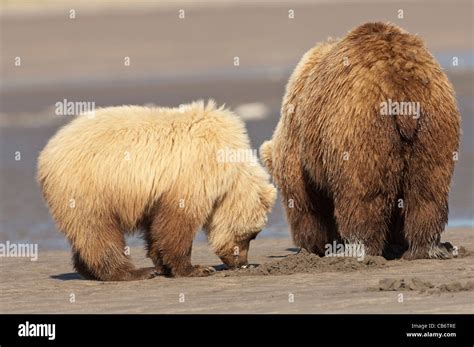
268,196
266,154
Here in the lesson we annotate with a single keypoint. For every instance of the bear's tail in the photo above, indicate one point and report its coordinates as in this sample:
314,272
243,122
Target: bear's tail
397,61
266,154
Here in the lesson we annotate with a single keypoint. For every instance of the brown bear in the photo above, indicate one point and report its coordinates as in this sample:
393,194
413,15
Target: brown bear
366,145
164,171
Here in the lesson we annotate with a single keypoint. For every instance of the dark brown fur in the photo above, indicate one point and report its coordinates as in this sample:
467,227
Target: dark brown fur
331,110
170,238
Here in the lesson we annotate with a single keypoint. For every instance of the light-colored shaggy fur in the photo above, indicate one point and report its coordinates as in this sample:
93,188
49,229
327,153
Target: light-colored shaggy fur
349,173
154,169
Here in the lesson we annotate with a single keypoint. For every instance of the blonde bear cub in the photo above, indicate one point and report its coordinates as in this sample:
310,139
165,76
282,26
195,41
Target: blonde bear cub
157,171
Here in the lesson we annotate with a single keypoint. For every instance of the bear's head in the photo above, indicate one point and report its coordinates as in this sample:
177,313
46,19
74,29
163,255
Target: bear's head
239,217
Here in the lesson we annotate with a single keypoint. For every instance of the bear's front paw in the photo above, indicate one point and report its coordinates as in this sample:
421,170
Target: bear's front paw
201,271
144,273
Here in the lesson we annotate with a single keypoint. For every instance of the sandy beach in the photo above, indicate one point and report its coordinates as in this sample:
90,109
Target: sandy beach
338,286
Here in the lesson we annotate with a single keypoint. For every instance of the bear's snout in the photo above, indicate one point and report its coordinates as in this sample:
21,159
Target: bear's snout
236,258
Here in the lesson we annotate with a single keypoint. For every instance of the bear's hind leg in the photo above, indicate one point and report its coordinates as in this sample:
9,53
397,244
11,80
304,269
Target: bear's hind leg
426,190
425,219
170,239
363,221
101,255
81,267
310,214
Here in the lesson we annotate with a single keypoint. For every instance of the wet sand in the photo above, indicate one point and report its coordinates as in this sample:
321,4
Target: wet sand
59,51
45,286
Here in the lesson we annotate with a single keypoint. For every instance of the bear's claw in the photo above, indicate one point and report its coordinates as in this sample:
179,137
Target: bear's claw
201,271
144,273
442,250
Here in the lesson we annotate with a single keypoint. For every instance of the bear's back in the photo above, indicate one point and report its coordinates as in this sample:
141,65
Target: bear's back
374,63
123,159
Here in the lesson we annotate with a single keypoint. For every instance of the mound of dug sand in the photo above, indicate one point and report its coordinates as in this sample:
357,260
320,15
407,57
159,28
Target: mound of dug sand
391,284
463,252
305,262
416,284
